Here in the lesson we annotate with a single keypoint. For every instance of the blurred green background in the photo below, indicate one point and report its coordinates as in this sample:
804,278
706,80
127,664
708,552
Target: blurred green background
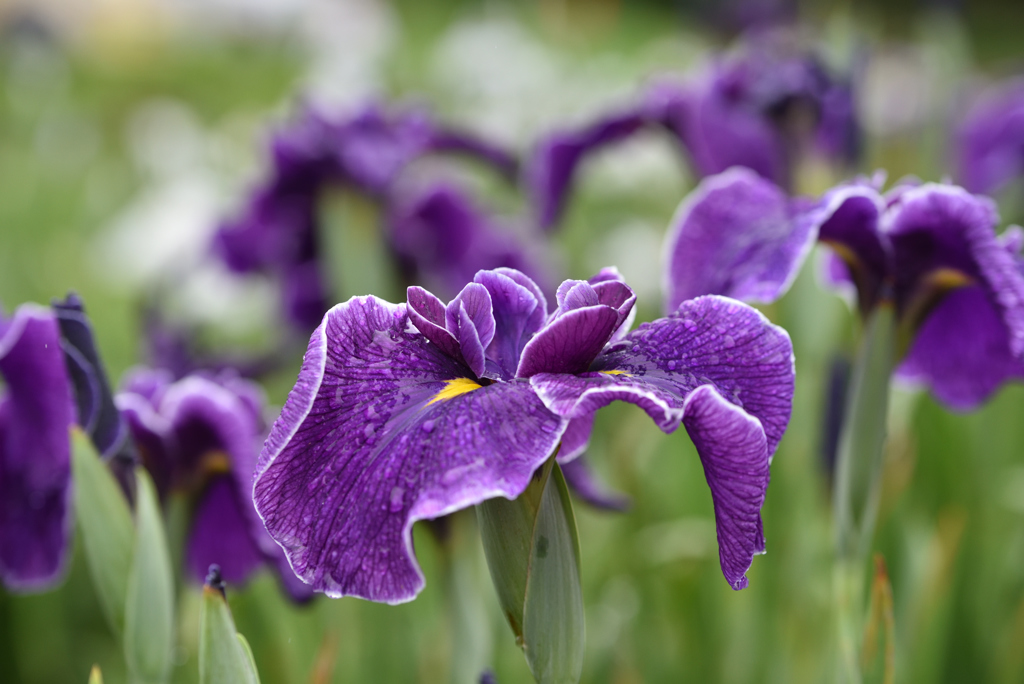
129,128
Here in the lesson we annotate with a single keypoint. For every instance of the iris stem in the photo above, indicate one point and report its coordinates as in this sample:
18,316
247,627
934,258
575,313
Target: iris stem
858,480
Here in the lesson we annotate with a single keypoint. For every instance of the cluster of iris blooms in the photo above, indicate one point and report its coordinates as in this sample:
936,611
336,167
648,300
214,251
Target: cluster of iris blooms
412,411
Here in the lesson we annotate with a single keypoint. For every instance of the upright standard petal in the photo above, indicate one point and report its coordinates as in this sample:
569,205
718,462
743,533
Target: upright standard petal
519,310
734,235
35,465
382,429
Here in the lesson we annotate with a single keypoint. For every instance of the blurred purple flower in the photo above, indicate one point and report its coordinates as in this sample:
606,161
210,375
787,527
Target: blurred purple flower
761,109
278,231
200,435
929,249
35,453
440,239
405,412
989,143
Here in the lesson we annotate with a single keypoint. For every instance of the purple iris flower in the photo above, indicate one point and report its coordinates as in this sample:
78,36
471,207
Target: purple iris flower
405,412
989,142
278,231
929,249
760,109
35,452
200,436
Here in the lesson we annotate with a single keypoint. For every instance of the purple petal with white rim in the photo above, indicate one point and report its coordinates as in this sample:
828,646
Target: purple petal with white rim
710,340
732,449
35,451
382,430
734,235
961,351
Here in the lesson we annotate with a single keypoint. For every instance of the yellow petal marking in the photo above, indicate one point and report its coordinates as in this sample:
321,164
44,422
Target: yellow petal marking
614,372
453,388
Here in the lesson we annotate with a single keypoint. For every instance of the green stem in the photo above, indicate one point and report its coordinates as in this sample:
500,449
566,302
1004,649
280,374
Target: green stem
858,479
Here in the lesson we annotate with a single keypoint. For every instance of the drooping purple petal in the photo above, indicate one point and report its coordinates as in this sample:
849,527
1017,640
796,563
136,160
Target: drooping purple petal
586,485
961,351
35,465
575,438
732,449
710,340
990,142
519,311
222,533
382,430
552,169
450,140
717,132
942,236
609,284
734,235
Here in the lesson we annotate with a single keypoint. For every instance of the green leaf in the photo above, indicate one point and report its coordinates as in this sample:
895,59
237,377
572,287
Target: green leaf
224,655
862,440
107,531
532,550
95,676
149,605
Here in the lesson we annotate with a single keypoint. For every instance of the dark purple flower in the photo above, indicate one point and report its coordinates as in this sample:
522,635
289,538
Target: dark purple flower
278,231
929,249
989,143
200,435
760,109
97,414
406,412
35,453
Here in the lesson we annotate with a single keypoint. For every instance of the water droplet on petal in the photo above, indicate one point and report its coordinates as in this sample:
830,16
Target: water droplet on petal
397,496
428,426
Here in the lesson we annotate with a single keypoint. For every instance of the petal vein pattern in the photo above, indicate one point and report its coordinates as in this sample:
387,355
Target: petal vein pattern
372,439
